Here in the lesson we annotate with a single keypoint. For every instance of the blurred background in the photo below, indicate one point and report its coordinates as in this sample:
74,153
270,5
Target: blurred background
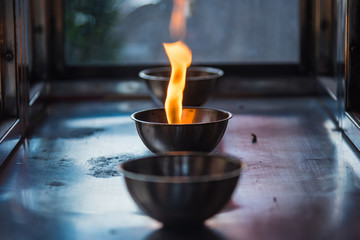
123,32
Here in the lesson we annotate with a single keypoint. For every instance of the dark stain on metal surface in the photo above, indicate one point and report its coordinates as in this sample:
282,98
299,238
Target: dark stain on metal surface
105,167
65,162
254,138
70,133
56,184
83,132
39,158
261,165
317,159
241,107
336,129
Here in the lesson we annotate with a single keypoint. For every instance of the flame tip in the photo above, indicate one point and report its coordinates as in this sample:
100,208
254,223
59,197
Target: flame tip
180,58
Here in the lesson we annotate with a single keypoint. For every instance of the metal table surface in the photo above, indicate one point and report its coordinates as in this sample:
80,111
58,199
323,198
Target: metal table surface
301,182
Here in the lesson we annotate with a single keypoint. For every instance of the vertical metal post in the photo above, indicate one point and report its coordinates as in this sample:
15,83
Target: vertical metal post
56,38
307,37
353,54
2,56
40,25
341,32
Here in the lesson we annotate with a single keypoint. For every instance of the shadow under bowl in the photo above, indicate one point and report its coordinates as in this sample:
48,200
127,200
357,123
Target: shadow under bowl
200,83
202,135
182,189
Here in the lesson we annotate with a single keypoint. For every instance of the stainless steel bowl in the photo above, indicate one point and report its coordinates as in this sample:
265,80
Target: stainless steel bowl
182,189
200,82
203,135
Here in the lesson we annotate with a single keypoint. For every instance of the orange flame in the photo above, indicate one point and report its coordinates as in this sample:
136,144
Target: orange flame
180,59
177,25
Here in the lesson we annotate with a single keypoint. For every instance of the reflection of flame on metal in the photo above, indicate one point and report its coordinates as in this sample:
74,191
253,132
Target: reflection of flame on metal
188,116
180,59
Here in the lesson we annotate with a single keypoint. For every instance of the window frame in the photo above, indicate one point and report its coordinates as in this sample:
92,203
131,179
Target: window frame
351,81
20,87
12,76
65,72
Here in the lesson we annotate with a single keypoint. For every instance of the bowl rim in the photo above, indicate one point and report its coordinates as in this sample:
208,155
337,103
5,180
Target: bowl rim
133,117
184,179
216,73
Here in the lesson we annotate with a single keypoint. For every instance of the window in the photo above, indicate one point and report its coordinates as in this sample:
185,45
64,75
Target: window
131,32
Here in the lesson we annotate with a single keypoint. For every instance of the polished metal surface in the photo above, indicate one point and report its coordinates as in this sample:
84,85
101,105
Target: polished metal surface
182,189
301,180
200,83
203,134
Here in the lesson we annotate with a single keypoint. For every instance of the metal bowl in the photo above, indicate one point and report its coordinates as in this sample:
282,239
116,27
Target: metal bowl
200,82
182,189
202,135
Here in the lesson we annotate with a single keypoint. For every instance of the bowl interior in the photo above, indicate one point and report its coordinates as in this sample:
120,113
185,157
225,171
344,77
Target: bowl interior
197,115
191,166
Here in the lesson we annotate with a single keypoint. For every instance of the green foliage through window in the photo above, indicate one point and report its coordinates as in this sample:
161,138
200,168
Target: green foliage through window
88,26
